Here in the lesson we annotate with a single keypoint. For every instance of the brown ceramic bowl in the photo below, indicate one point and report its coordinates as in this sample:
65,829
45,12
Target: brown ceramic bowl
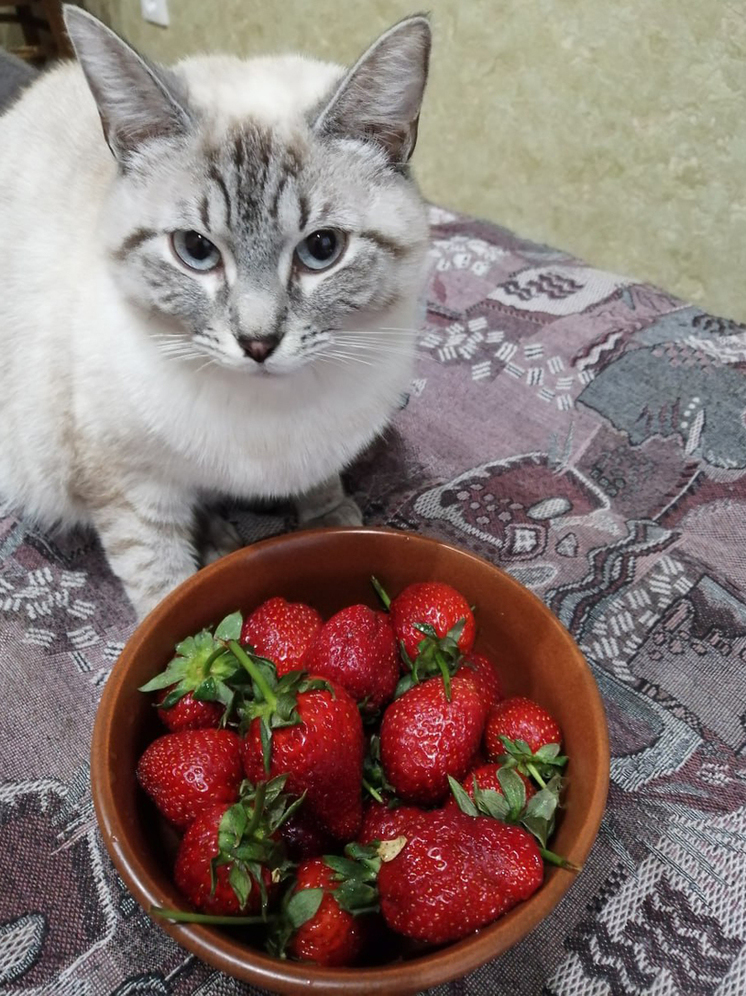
330,569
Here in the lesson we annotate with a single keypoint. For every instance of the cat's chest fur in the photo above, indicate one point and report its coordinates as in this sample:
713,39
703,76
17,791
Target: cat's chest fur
218,430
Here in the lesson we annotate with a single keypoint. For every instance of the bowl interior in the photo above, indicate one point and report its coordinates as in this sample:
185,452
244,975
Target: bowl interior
330,569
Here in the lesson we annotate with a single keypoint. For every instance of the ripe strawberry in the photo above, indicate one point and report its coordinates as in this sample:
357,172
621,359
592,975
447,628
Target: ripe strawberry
188,713
425,737
457,873
185,772
519,719
357,648
484,672
503,792
229,859
382,823
486,778
197,687
331,935
433,603
281,631
309,729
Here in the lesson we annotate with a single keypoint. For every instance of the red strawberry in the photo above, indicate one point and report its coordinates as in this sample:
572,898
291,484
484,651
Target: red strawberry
281,631
382,823
457,873
519,719
504,793
484,672
229,859
357,648
188,713
433,603
331,935
197,687
425,737
486,778
185,772
309,729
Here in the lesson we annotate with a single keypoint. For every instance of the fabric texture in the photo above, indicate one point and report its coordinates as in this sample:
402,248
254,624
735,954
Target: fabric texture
585,433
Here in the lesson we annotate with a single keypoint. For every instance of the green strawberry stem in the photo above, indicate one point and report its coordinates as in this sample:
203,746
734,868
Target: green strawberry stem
443,667
259,793
366,910
256,676
381,593
184,916
558,860
531,768
372,791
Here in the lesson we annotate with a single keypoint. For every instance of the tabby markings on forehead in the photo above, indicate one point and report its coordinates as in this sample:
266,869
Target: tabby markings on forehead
204,213
216,176
279,189
303,207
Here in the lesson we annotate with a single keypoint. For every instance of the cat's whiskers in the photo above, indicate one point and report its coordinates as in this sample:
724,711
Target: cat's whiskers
177,349
346,356
387,332
372,345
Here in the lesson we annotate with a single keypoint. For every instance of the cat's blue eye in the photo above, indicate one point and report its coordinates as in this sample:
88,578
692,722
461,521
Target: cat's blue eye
320,250
195,251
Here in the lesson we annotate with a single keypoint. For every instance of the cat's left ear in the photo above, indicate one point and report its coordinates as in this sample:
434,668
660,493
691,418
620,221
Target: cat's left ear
379,99
136,101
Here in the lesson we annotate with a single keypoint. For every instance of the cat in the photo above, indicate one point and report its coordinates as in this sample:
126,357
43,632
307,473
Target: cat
209,288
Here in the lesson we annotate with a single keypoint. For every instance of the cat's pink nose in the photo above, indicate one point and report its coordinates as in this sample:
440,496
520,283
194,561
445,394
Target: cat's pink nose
258,349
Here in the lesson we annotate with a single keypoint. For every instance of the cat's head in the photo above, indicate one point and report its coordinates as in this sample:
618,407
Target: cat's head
262,211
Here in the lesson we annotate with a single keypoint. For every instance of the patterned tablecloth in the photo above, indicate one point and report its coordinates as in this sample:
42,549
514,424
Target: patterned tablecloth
583,431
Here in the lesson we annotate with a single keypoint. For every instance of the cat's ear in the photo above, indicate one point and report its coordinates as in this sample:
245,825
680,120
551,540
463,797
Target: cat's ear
379,99
136,101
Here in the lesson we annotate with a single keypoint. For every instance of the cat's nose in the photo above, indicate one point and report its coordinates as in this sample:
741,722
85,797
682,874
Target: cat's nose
259,349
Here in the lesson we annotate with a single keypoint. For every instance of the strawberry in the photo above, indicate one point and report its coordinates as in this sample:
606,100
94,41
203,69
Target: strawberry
519,719
382,823
457,873
187,713
309,729
486,778
229,859
427,736
320,929
185,772
484,672
281,631
435,604
504,793
357,648
197,687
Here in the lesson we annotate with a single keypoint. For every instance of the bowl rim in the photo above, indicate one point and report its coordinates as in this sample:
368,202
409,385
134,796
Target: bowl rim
224,952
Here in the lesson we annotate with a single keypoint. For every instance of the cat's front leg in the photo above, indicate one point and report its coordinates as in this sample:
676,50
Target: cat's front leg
327,505
147,533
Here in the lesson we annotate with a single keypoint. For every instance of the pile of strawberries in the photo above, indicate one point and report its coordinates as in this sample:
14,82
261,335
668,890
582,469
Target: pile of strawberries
337,779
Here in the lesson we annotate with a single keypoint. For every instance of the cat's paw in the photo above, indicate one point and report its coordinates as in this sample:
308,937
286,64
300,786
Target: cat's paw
219,538
347,513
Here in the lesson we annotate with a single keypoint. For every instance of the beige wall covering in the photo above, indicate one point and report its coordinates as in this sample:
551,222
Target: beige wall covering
614,129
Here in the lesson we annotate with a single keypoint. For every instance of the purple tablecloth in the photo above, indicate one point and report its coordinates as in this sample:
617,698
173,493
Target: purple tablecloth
586,433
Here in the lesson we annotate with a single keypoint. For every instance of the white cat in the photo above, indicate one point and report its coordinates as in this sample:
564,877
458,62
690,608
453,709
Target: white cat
208,278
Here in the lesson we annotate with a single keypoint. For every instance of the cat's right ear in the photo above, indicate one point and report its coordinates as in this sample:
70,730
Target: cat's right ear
136,101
